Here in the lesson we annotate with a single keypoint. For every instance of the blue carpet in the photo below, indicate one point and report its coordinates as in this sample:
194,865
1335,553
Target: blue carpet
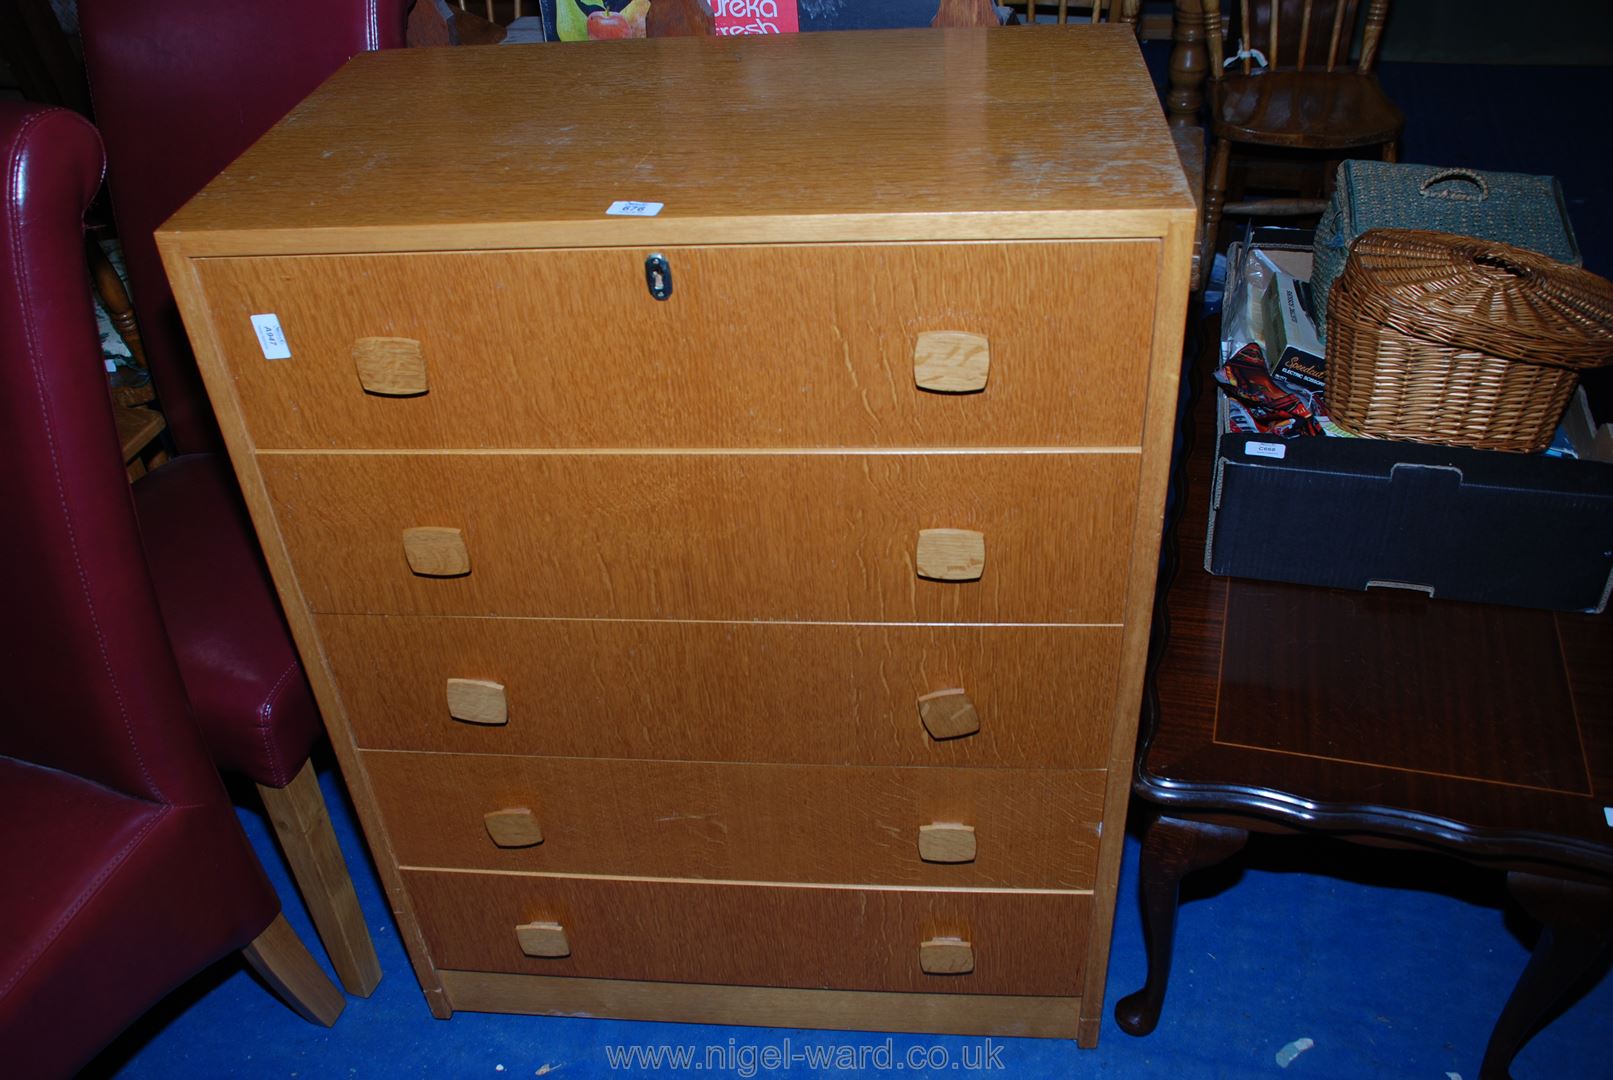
1392,966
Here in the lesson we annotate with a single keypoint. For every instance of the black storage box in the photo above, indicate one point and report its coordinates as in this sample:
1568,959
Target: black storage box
1452,522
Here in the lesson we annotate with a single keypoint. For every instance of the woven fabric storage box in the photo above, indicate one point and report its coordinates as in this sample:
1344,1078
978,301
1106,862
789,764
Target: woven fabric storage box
1449,339
1514,208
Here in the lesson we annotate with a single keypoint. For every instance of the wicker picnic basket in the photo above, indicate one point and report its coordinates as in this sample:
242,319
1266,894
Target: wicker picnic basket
1448,339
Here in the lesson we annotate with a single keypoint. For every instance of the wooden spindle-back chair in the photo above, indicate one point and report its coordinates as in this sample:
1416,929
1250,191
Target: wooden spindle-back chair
1308,95
488,4
1097,10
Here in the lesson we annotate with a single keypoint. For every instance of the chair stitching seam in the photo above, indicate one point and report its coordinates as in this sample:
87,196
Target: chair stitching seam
266,711
83,898
46,415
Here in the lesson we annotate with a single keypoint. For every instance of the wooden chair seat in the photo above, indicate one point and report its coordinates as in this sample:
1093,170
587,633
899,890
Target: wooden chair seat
1315,109
1307,97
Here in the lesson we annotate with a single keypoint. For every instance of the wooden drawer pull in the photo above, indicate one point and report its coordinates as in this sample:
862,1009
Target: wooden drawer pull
946,956
436,552
951,554
948,714
515,827
546,939
947,842
477,701
951,361
390,366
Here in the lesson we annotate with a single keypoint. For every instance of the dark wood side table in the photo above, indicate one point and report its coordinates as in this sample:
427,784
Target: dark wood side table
1484,733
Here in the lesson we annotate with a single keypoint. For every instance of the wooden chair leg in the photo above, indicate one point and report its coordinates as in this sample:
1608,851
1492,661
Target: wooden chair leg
302,823
1578,927
1172,849
1215,193
115,298
279,955
1190,64
1391,151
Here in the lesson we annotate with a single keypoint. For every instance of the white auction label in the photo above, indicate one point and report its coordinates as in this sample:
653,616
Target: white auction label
622,208
1265,449
271,339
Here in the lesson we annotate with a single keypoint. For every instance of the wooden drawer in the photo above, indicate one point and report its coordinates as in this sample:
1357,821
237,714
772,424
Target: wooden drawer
1033,829
805,537
758,346
803,693
677,931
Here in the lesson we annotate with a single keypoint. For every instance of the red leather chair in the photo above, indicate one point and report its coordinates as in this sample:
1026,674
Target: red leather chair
180,88
126,871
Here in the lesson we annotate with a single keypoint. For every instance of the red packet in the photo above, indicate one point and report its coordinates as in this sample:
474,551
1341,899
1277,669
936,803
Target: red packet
1272,408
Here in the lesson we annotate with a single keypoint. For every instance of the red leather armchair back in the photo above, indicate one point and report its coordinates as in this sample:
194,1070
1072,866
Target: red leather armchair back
126,871
181,88
91,684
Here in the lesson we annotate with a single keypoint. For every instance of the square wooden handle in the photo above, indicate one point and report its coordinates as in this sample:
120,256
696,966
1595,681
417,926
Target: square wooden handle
951,361
390,366
948,714
513,828
436,552
946,956
543,939
950,554
477,701
947,842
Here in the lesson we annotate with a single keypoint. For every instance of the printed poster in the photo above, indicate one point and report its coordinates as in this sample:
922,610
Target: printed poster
610,20
756,16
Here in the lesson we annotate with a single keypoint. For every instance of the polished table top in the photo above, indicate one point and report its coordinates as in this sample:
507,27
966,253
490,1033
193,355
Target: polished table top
1486,731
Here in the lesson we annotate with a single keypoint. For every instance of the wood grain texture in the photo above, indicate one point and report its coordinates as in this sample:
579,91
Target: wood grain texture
712,536
477,701
302,824
545,940
950,554
1159,431
514,827
1024,942
764,1006
787,692
927,164
946,956
390,366
232,425
902,129
435,551
759,346
827,824
951,361
948,842
948,714
279,956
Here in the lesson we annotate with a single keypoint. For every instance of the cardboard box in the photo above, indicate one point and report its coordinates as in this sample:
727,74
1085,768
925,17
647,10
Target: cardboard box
1456,523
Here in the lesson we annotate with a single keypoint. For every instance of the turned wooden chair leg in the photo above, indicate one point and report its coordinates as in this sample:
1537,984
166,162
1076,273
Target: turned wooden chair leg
302,823
1577,928
1172,849
1215,193
115,298
279,955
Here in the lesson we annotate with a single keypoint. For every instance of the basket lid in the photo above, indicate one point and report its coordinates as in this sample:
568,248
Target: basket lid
1483,295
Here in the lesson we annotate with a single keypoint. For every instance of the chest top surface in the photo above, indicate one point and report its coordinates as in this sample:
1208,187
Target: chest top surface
856,135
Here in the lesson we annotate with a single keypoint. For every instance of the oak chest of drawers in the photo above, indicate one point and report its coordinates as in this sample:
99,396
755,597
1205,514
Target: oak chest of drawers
732,609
